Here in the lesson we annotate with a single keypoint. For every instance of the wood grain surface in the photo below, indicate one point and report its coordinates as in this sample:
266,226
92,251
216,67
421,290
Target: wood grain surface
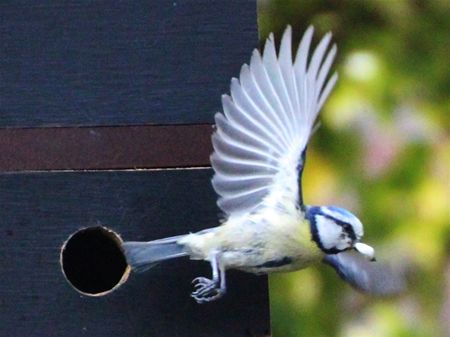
41,210
71,63
96,148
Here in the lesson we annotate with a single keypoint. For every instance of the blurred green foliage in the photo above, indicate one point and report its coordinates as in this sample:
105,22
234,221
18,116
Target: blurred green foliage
383,151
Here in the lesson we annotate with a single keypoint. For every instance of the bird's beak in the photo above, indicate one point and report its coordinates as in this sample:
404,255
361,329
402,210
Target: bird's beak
365,250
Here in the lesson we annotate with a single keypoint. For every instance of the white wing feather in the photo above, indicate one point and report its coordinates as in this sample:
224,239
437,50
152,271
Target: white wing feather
266,124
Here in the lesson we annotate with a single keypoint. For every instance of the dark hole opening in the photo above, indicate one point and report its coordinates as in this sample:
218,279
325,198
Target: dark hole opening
93,262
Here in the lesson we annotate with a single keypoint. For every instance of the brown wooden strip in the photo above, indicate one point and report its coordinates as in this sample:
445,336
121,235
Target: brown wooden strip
78,148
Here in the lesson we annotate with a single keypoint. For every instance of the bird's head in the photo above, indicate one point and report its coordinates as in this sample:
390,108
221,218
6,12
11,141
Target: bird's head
335,230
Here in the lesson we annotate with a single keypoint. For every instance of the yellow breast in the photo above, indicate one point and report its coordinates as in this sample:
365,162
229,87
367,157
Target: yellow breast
271,240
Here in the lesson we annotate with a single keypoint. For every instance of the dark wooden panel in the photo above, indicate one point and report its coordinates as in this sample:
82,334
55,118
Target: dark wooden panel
40,210
105,147
113,63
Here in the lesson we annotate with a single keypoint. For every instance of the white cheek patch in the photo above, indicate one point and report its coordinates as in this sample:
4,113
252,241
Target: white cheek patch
344,242
329,233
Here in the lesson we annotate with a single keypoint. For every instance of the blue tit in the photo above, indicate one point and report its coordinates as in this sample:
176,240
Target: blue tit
259,154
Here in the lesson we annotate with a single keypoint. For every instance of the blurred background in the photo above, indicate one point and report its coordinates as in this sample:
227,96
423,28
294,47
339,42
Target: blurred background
383,151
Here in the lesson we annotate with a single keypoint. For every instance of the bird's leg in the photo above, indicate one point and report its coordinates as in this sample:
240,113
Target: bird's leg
207,290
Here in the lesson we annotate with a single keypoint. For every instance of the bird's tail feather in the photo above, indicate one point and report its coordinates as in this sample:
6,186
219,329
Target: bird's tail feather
142,256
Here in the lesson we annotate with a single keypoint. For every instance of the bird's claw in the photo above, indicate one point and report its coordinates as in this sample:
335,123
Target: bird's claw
206,290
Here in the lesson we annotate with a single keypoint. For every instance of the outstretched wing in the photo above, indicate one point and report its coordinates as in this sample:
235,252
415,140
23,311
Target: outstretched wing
266,122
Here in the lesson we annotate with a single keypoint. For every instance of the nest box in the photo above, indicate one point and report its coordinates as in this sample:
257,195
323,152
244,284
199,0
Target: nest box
105,122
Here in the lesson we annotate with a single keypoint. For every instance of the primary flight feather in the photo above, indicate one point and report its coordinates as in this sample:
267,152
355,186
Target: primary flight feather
259,154
266,124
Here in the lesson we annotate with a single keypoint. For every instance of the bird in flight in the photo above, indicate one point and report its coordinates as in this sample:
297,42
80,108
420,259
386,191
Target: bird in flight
259,154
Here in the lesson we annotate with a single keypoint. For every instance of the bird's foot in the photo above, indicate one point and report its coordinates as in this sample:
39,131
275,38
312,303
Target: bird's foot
206,290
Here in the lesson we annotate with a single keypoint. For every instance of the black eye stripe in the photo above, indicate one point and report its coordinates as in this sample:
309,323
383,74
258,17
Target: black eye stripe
311,214
348,229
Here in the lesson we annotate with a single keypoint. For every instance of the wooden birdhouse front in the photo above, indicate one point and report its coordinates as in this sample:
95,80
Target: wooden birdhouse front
106,113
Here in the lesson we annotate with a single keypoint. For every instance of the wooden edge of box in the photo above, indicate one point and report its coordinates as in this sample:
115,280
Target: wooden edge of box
105,147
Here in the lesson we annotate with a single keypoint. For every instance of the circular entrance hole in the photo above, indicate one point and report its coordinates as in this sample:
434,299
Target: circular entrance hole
93,262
